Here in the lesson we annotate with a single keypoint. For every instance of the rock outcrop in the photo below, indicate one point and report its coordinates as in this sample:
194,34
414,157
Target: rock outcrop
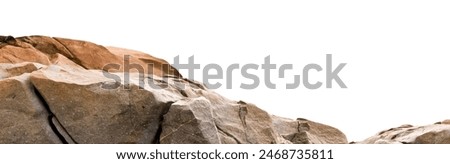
56,90
438,133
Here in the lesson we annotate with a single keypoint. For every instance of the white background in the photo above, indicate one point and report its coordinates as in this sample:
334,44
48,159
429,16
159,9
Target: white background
397,51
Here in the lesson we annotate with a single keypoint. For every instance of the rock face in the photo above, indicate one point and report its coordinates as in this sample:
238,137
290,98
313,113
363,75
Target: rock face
303,131
56,90
438,133
24,117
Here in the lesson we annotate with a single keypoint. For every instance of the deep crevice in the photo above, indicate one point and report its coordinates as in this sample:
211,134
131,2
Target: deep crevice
50,118
55,130
68,138
165,109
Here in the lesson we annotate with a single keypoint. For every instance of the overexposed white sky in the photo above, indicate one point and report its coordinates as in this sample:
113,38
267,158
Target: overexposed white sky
396,51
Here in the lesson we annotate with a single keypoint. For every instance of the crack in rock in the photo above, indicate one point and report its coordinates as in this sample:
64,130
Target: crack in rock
59,130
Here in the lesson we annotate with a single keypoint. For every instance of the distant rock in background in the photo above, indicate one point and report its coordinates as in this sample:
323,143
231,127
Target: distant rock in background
438,133
56,90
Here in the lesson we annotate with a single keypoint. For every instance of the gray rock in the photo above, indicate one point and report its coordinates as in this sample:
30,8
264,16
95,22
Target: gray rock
24,118
303,131
91,114
206,120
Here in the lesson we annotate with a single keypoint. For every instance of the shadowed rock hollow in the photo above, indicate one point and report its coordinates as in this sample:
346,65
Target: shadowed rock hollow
56,90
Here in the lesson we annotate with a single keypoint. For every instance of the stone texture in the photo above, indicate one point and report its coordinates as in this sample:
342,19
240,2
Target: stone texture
24,119
56,90
438,133
303,131
206,120
61,51
11,70
190,121
14,53
93,114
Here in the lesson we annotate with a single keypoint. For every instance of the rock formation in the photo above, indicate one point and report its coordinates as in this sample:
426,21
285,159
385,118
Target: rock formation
56,90
438,133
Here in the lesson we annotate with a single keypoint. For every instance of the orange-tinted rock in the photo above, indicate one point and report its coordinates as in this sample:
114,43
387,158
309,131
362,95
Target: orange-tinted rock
56,90
48,50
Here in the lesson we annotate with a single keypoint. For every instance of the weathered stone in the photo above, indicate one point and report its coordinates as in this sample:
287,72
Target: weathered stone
203,120
14,54
48,50
190,121
429,134
302,131
24,118
56,90
10,70
91,114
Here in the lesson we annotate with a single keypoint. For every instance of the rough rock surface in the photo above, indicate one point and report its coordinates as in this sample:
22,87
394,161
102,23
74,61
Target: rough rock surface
56,90
438,133
303,131
24,117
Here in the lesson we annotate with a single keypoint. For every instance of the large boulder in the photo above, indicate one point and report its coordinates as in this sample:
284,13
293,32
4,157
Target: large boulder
92,114
56,90
212,119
